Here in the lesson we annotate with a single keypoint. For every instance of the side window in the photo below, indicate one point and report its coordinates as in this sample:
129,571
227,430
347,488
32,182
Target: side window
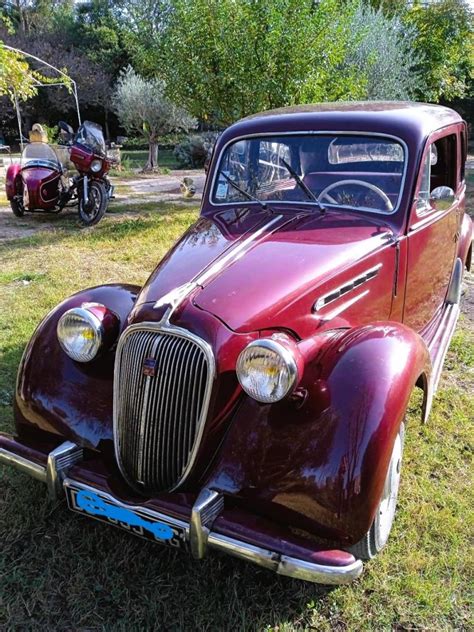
463,153
431,159
439,169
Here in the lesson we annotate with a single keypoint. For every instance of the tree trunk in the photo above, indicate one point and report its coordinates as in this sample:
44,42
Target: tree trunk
152,162
106,123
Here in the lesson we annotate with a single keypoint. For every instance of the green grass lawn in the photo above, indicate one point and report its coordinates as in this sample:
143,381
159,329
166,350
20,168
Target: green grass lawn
61,571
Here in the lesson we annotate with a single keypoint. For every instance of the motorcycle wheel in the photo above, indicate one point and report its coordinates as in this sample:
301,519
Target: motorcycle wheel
17,208
93,211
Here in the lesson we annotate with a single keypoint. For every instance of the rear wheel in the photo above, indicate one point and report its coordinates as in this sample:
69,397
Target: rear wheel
17,207
376,537
93,211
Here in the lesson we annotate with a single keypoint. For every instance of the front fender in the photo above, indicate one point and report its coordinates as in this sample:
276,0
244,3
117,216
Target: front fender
13,172
321,466
63,397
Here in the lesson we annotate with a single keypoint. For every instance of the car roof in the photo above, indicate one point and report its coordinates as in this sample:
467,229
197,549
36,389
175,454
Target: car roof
406,119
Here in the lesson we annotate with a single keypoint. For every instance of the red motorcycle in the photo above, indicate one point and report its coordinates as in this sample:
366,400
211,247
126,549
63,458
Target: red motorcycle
40,182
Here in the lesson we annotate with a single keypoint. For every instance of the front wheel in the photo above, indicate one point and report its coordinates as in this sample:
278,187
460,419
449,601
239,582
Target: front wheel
93,211
376,537
17,207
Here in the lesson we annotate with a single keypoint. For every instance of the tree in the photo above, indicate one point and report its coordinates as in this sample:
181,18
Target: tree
16,79
445,48
33,15
93,82
224,59
143,108
382,48
142,24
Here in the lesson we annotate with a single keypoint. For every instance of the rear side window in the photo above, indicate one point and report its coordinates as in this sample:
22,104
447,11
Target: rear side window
463,154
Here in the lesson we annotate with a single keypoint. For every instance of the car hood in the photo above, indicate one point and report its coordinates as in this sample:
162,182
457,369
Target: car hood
260,270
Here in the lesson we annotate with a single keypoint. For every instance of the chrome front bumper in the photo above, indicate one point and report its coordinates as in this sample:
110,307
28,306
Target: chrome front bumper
199,533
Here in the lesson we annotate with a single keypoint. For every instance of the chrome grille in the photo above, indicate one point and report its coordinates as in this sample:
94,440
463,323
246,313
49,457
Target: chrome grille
159,418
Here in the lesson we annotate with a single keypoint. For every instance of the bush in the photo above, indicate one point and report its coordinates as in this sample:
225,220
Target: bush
52,133
194,150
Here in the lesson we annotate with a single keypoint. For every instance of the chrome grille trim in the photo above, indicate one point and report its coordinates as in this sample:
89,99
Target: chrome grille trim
182,360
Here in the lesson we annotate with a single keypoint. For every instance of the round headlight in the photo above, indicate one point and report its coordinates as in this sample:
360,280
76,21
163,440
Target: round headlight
96,165
267,370
80,334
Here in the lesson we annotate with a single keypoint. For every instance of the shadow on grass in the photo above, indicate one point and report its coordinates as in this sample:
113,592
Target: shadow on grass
65,571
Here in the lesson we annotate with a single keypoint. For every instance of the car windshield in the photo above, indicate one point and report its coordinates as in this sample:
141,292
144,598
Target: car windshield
39,155
90,135
361,172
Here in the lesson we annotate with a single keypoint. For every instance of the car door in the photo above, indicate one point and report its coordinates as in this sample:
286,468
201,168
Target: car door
432,233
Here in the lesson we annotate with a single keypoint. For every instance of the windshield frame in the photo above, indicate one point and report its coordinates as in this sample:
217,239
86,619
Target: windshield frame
315,205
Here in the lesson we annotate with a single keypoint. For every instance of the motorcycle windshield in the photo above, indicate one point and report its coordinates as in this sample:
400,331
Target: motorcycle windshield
90,135
40,155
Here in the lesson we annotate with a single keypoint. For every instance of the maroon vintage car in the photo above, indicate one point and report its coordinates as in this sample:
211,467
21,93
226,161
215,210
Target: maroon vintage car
250,397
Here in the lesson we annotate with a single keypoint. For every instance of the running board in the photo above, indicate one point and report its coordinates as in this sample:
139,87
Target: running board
438,348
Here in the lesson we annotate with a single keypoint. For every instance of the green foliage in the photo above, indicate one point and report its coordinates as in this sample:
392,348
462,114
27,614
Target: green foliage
381,47
445,48
18,79
52,133
15,78
224,60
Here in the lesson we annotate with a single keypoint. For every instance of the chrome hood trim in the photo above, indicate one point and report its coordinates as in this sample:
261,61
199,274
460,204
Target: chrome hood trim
174,298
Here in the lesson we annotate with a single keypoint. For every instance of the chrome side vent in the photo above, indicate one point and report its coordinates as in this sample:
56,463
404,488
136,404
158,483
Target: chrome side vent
346,288
163,382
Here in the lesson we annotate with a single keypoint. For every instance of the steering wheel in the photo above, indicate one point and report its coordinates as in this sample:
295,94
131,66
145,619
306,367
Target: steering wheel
367,185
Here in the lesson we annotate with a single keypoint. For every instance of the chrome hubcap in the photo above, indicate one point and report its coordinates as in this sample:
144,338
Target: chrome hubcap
386,510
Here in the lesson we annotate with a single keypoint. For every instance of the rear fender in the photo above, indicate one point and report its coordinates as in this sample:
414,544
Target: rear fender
63,397
465,242
321,465
13,180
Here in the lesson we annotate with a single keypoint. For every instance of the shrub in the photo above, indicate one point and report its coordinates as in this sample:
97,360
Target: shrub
52,133
194,150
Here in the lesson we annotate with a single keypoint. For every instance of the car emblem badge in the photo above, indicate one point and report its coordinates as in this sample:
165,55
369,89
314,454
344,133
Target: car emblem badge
150,367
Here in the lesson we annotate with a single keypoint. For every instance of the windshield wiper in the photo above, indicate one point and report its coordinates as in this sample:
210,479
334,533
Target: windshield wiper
304,187
245,193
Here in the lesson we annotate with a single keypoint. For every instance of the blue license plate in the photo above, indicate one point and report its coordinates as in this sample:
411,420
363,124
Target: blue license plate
135,520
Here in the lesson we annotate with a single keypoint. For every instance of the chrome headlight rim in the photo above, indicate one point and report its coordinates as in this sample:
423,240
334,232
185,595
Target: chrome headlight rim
95,324
96,165
289,359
